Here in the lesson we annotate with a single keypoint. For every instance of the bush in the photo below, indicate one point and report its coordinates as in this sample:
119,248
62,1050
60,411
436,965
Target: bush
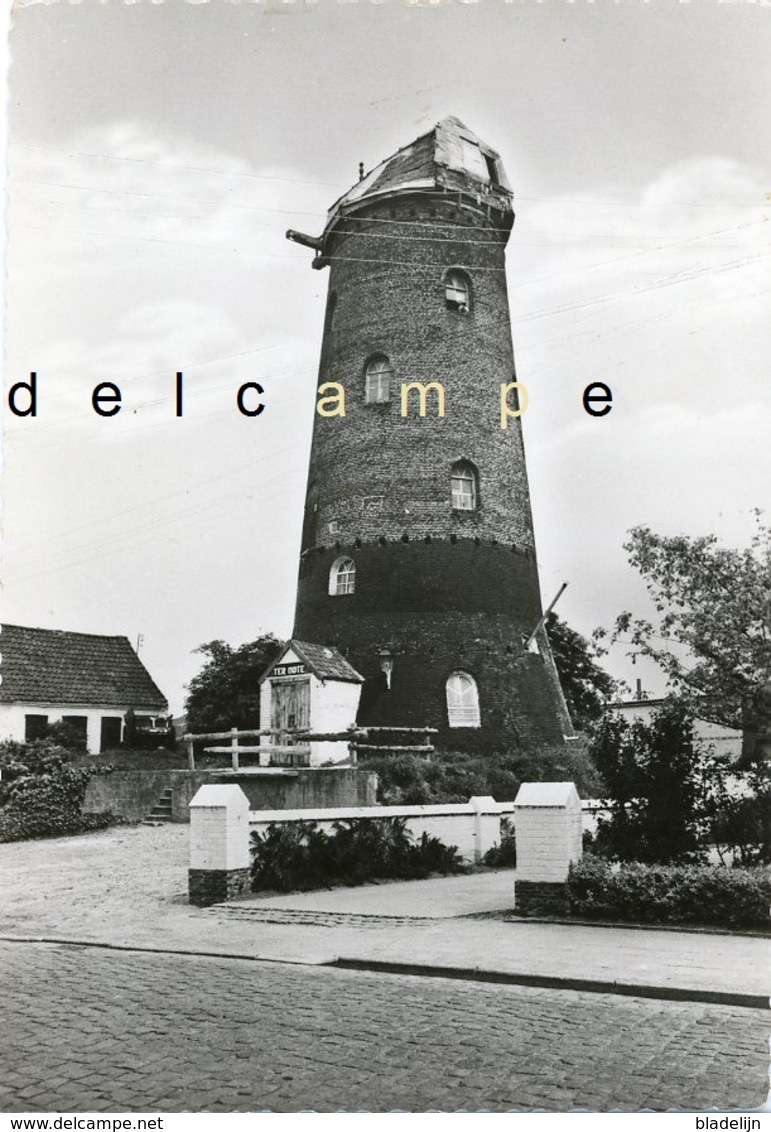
455,776
685,894
300,856
660,785
739,820
42,792
503,856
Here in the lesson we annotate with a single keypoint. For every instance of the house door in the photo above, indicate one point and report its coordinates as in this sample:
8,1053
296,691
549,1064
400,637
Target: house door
110,732
290,707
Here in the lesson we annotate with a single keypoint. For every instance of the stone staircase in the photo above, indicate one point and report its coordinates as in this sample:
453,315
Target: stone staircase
161,811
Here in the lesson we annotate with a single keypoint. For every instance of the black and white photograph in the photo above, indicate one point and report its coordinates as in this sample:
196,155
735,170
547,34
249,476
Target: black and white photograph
385,708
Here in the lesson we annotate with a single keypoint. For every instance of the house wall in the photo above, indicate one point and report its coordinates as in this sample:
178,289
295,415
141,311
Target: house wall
12,719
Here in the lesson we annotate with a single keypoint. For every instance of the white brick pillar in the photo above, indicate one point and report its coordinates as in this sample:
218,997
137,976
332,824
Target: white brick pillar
547,825
219,845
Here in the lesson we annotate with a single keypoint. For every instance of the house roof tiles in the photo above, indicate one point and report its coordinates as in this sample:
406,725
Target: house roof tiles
52,666
324,661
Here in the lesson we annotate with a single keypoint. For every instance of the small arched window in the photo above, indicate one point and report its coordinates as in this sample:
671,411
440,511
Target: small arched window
457,291
342,577
462,701
377,380
463,480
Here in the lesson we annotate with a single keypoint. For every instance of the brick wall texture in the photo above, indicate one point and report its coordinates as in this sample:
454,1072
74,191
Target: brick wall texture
539,898
214,886
443,589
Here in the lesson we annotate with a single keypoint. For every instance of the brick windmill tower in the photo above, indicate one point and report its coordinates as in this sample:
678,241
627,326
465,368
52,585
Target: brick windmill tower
418,557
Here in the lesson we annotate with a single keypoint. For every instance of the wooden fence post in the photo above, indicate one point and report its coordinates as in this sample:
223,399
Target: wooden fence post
234,747
190,754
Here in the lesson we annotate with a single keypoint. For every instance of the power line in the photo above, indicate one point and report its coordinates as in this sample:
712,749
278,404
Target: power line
463,234
335,184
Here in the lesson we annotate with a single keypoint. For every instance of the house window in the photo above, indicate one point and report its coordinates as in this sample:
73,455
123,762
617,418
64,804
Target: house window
462,701
377,381
35,727
342,577
457,291
463,480
78,727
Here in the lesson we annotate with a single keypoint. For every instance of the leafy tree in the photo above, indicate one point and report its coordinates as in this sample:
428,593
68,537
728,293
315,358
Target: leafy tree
713,635
740,816
585,685
660,787
225,692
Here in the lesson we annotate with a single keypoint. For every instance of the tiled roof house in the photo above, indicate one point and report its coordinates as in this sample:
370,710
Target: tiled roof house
87,680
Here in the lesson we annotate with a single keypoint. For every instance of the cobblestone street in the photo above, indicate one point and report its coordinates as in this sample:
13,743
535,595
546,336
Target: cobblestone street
93,1029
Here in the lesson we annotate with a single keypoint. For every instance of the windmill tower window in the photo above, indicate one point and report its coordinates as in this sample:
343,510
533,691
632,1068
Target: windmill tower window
457,292
377,381
462,701
463,481
342,577
492,168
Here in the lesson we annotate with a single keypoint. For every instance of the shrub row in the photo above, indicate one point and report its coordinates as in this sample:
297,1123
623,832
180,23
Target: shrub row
302,856
686,894
41,792
456,776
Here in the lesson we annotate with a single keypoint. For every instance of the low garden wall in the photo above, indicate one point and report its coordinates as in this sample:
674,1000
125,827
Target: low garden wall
222,822
473,827
131,794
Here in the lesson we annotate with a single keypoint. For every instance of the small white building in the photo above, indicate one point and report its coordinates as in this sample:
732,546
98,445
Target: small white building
726,741
310,688
89,681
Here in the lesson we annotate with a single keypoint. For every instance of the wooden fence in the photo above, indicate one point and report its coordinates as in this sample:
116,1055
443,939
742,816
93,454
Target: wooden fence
297,754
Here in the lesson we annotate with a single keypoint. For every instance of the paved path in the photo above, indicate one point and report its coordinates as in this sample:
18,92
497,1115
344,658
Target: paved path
94,1029
127,886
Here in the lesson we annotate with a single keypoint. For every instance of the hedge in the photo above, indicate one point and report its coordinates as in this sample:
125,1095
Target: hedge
42,792
685,894
300,856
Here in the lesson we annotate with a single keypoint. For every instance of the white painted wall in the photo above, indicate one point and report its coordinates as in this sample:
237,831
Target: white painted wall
12,722
334,704
473,826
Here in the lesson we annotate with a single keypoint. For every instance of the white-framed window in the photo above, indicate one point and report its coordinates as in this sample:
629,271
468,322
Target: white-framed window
462,701
457,291
377,380
342,577
463,482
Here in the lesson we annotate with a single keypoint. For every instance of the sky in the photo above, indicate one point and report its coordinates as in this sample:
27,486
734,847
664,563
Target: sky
157,153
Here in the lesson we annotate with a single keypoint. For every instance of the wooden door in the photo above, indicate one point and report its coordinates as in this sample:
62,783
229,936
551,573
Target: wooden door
290,707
